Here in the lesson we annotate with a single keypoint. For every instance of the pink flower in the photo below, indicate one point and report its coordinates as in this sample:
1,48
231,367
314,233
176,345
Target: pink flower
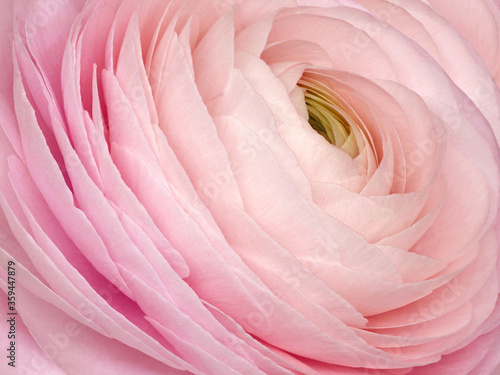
250,187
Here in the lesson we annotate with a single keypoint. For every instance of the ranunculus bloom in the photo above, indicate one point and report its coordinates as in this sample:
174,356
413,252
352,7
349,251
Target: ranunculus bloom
250,187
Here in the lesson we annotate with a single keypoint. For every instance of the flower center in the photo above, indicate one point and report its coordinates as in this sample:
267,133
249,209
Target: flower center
327,117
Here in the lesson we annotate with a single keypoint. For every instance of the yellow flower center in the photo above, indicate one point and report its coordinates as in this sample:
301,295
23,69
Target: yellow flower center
327,117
